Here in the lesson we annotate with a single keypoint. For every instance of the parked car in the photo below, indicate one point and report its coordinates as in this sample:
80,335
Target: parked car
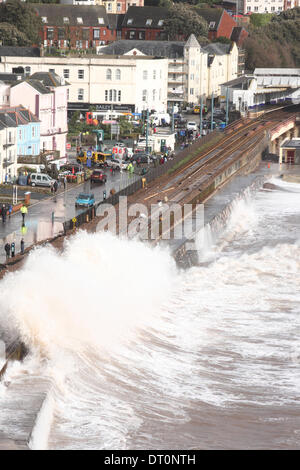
117,164
192,126
41,179
141,157
86,200
98,177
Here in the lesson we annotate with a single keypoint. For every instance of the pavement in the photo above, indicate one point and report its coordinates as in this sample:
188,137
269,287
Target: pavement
46,215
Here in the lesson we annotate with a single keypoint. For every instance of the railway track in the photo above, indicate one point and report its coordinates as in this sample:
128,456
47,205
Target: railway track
241,136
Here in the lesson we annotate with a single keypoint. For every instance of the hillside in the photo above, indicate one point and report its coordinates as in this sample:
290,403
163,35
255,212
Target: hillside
276,43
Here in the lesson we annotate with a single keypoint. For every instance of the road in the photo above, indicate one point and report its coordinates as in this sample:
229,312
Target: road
45,217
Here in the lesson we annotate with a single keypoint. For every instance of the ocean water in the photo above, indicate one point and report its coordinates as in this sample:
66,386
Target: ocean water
140,355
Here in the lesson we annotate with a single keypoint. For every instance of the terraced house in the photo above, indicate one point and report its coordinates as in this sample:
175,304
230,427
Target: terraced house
74,26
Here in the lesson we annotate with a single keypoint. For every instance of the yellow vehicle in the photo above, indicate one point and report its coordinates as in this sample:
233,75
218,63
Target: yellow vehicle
97,157
196,109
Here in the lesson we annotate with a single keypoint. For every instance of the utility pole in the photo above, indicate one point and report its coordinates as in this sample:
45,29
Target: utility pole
147,129
212,113
173,118
227,105
201,115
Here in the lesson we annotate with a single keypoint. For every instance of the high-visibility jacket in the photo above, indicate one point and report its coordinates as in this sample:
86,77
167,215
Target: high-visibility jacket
24,210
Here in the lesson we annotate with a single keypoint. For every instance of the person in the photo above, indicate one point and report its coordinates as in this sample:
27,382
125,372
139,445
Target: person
7,250
65,182
23,212
13,248
3,213
9,210
22,246
55,185
52,188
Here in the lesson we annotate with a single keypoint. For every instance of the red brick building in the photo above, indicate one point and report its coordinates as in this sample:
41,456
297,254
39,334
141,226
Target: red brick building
74,26
144,23
220,23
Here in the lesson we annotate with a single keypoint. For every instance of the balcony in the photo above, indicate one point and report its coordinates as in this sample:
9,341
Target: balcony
9,143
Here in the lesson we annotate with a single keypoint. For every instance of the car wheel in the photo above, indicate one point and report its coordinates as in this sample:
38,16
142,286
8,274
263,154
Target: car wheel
32,184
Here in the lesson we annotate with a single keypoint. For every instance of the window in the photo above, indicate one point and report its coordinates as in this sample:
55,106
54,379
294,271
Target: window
20,134
160,23
50,32
108,74
52,70
66,73
191,91
44,19
248,8
80,94
154,74
106,95
192,76
145,74
79,20
255,8
109,7
130,21
118,74
33,131
96,33
148,22
154,95
85,34
119,7
61,33
66,19
212,24
144,95
100,20
27,70
81,74
119,95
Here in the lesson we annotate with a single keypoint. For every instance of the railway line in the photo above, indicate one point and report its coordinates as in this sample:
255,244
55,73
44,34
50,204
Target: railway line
240,136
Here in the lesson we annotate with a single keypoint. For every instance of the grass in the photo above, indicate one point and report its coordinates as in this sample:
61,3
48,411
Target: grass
195,153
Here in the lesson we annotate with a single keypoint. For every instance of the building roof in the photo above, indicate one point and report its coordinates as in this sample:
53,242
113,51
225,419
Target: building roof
212,16
170,49
139,17
115,21
217,48
77,15
192,41
11,78
240,83
16,116
293,143
12,51
48,79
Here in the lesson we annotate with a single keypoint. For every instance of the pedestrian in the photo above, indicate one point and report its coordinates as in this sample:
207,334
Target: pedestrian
52,188
7,250
65,182
9,210
23,212
55,186
22,246
3,213
13,249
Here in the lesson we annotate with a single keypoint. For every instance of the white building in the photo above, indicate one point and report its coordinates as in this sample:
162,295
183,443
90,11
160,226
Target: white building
106,82
193,70
8,148
265,6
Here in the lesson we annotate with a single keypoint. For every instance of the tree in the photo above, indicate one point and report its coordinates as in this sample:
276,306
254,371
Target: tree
11,36
23,17
183,21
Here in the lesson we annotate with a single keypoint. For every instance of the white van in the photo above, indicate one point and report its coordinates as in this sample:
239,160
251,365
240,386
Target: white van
40,179
158,118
